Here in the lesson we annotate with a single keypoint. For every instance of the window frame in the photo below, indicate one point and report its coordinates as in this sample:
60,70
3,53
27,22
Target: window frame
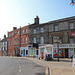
56,28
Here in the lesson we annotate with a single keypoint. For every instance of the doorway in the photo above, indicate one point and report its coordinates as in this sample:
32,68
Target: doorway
66,53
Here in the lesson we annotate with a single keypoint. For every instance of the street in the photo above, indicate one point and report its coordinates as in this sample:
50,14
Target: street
19,66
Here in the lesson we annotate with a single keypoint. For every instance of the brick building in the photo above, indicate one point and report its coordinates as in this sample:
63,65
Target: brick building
48,33
17,38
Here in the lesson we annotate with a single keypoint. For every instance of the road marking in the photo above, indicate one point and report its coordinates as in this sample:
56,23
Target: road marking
19,70
47,71
19,66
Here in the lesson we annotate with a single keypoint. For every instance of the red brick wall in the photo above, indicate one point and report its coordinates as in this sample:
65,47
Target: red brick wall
25,35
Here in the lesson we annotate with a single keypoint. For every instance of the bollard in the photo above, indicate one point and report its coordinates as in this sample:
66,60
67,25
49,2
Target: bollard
47,72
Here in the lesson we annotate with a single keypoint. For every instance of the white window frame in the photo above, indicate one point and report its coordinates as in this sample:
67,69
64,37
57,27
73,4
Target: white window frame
11,51
56,28
26,30
34,31
22,31
25,40
11,42
34,40
71,25
42,30
22,40
42,40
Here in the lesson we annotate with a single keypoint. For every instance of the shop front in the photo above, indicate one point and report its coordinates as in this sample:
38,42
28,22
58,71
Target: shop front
24,51
32,51
45,49
65,50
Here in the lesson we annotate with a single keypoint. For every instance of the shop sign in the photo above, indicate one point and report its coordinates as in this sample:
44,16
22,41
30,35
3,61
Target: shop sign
73,64
71,50
65,46
72,34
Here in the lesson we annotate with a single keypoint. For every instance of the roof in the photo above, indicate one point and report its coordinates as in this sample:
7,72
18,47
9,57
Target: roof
3,40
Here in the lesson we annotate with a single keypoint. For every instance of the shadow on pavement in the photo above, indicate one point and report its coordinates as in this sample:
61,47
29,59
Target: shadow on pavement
40,74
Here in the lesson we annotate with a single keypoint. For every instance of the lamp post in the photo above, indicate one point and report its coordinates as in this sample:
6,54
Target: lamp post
58,41
72,3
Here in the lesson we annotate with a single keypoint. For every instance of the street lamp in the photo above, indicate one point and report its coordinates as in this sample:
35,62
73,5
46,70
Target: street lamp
72,3
58,41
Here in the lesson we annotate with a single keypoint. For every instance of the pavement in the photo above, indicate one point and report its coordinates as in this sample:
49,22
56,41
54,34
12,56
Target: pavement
63,67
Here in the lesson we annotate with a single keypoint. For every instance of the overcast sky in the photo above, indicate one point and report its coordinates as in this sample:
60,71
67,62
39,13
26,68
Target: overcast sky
21,12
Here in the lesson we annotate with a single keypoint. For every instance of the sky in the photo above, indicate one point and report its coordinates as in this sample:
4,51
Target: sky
16,13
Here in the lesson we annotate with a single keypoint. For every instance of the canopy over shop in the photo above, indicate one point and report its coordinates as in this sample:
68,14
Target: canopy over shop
45,49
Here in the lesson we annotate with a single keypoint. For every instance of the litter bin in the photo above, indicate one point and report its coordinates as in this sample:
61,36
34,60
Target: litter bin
48,57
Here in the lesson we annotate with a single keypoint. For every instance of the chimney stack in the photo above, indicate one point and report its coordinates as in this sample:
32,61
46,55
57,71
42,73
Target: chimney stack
4,36
14,28
36,20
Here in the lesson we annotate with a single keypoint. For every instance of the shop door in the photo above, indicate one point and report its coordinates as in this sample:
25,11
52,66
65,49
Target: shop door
24,53
66,53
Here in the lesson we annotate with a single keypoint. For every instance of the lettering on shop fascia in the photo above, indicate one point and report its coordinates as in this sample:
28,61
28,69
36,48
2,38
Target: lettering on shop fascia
65,46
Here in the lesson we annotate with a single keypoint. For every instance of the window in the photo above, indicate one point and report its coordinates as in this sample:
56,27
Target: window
25,40
11,34
8,51
16,41
42,30
22,31
34,40
17,32
11,42
22,40
14,32
42,40
71,40
71,25
55,38
56,28
34,31
25,30
11,51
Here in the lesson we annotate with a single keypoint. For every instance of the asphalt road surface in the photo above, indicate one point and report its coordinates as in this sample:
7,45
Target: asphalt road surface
19,66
